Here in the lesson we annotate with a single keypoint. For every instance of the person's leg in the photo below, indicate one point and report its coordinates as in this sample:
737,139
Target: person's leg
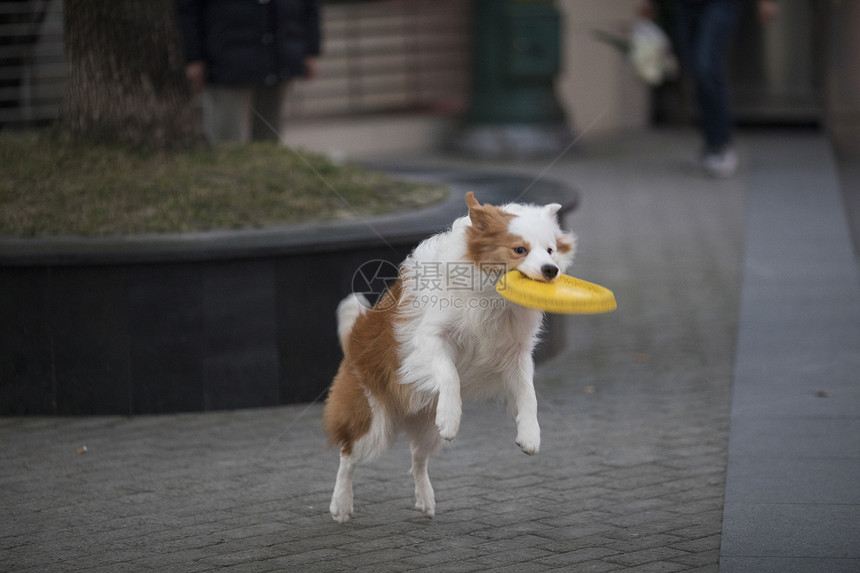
226,113
718,21
686,30
688,17
267,112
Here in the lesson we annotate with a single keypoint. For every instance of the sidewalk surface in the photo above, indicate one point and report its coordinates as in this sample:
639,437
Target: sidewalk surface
635,414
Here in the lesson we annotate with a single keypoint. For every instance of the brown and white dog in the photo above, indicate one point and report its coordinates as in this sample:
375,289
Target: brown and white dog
441,335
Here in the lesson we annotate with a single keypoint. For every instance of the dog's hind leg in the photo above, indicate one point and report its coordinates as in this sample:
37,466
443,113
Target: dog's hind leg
425,440
425,498
341,507
377,439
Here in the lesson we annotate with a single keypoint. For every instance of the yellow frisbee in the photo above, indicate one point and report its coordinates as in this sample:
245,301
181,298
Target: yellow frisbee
565,295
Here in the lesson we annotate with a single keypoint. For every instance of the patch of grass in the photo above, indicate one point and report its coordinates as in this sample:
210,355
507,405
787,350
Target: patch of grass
52,186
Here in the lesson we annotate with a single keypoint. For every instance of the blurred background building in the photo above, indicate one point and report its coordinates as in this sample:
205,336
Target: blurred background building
396,75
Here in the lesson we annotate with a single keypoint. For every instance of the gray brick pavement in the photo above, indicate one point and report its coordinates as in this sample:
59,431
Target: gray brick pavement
634,419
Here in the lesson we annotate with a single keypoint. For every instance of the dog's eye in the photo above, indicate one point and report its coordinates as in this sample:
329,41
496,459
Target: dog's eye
521,250
549,250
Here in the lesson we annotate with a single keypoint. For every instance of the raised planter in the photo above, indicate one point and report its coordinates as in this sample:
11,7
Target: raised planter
204,321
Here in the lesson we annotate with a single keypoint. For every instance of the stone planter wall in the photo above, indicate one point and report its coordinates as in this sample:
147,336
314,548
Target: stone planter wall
196,322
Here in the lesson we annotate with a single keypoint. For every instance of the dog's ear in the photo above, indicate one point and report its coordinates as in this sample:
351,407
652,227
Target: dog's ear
471,202
486,217
552,209
481,216
476,213
565,243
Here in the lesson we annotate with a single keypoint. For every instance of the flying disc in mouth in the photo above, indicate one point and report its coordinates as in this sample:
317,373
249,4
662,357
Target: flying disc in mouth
565,295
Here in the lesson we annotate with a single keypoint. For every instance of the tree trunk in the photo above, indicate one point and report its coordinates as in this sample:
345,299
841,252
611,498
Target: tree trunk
126,81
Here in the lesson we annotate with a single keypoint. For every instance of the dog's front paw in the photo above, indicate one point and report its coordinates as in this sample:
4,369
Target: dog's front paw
426,505
448,413
529,441
341,509
447,427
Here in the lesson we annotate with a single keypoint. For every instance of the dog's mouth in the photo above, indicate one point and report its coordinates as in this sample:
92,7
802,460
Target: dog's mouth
541,277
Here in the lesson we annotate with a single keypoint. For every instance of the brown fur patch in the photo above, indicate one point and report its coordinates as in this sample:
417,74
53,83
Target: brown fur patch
488,241
563,245
347,414
370,364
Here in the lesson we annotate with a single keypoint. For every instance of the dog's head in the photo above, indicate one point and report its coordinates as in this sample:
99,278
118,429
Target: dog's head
522,237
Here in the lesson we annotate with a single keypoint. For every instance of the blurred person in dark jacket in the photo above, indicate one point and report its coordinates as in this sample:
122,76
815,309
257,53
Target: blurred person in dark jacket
242,54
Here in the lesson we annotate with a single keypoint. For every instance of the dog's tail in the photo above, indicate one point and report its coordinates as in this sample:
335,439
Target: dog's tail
348,312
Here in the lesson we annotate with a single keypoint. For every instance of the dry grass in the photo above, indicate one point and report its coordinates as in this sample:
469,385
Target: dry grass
53,186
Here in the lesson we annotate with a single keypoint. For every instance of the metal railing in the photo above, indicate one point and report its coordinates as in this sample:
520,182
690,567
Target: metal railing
32,62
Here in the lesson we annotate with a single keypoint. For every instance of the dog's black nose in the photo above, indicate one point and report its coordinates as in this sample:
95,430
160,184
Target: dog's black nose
549,271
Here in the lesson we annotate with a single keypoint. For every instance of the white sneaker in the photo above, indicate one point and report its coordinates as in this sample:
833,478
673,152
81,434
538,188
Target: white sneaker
720,164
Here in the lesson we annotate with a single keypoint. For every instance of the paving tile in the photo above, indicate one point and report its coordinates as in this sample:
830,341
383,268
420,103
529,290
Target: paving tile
658,555
579,556
790,480
729,564
657,567
791,530
796,437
